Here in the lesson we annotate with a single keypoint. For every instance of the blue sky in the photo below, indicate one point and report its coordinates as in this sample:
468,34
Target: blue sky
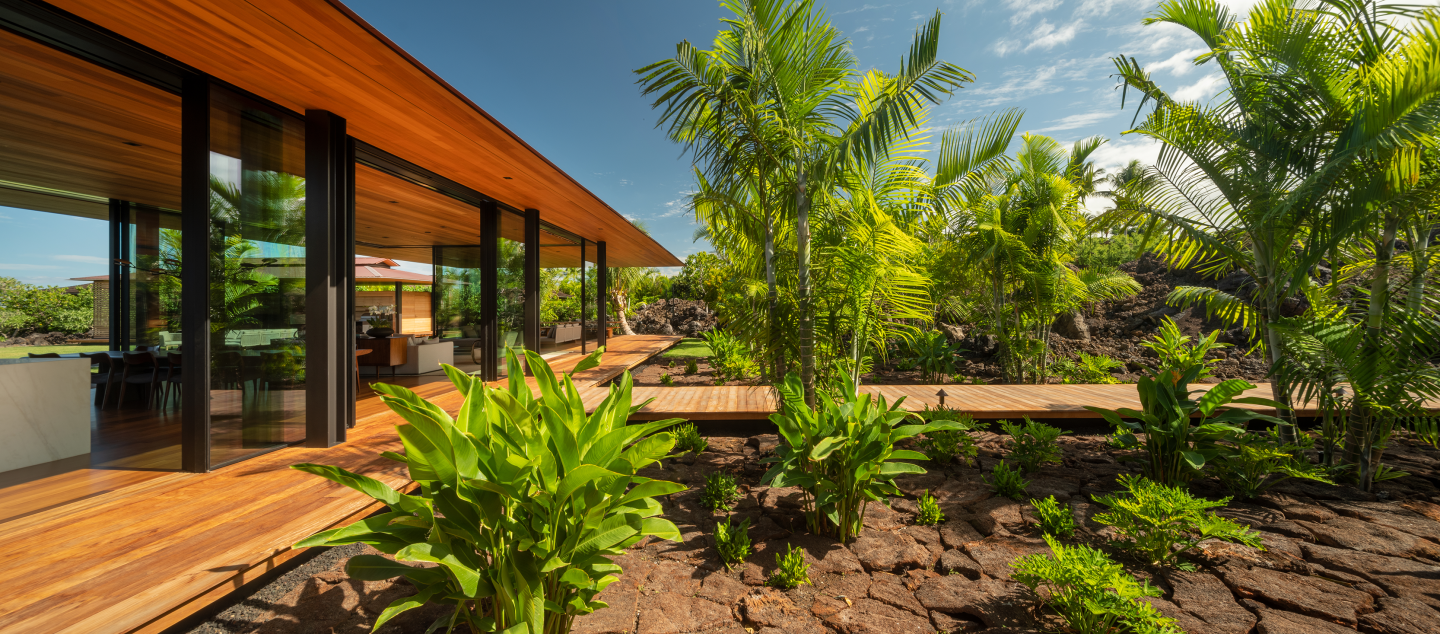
559,74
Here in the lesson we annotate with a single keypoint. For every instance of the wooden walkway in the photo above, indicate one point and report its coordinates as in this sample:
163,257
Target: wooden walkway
137,551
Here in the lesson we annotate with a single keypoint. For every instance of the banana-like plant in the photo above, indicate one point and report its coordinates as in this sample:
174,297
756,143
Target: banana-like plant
522,501
842,453
1181,433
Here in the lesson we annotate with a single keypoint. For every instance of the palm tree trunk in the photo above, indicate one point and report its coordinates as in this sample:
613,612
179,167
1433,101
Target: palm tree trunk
777,360
1363,436
622,304
802,290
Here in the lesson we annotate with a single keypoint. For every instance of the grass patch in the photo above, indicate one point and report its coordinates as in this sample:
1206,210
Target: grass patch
688,349
20,352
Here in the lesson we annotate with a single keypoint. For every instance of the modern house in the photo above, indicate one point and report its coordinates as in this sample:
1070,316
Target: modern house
243,155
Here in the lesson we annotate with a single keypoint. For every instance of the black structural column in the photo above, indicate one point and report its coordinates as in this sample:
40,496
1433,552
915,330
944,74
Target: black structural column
584,325
602,291
119,300
328,274
195,273
344,252
399,306
532,280
489,291
436,268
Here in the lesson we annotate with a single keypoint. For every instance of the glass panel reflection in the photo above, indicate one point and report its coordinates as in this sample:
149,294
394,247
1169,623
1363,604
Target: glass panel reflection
257,278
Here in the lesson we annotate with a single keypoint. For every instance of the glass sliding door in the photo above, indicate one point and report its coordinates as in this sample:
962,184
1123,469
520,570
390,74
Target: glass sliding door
153,284
510,287
257,277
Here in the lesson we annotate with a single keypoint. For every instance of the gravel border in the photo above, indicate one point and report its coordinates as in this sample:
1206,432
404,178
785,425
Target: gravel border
239,617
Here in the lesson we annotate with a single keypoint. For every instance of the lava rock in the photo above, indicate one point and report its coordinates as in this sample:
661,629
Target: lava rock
1306,595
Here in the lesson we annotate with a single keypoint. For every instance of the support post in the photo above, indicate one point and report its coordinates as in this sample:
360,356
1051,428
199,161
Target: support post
584,324
437,267
399,306
602,291
327,274
345,259
532,280
489,291
195,273
119,305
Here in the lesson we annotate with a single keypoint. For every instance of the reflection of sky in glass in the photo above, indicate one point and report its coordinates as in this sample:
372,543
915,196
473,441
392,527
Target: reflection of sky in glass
225,168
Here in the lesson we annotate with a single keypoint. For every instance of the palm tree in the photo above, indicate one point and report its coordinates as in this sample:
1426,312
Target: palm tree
1323,111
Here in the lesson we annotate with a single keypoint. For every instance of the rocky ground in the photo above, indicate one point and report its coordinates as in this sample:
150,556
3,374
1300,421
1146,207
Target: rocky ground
650,373
685,317
1337,560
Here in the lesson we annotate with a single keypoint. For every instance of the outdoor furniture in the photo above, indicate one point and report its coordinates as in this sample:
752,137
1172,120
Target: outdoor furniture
172,378
358,354
423,358
560,333
140,369
389,352
103,376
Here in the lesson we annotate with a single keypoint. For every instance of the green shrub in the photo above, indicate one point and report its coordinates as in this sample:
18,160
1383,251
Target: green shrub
930,513
1182,434
1086,369
1033,444
1256,461
732,542
1007,482
932,354
947,445
687,438
1108,252
691,367
1055,518
1160,523
522,501
666,379
1091,592
720,491
841,453
792,570
732,358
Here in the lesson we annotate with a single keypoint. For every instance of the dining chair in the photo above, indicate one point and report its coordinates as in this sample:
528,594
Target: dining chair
172,378
104,376
44,355
139,370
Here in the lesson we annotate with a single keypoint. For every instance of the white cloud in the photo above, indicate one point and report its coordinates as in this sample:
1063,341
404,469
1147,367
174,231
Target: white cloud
1103,7
862,29
87,259
1026,8
1119,152
868,7
1178,64
26,267
626,181
678,206
1047,36
1026,82
1079,120
1201,90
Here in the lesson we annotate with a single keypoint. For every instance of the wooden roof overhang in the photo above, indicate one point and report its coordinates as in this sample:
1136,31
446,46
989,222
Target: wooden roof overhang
321,55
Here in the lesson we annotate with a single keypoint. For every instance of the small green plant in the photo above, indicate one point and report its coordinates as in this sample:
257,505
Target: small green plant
731,358
1256,461
719,380
687,438
1007,482
792,570
720,491
930,514
691,367
1092,592
949,445
1055,518
933,355
666,379
1033,444
732,542
1182,434
1086,369
1160,523
842,453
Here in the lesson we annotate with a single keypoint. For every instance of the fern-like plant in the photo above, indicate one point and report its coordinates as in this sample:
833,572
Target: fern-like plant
732,542
791,569
691,367
949,445
1033,444
1160,523
688,438
1055,518
1092,592
720,491
1007,482
930,513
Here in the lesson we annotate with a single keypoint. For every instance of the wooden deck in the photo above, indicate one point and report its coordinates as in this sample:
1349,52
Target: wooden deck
117,551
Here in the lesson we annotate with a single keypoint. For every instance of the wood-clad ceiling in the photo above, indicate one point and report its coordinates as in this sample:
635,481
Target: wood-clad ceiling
318,55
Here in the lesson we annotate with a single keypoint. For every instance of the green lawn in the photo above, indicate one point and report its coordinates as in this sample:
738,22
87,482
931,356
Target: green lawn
688,348
20,352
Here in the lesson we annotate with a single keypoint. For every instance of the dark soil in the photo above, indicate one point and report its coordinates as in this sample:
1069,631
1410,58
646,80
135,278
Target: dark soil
1336,559
649,373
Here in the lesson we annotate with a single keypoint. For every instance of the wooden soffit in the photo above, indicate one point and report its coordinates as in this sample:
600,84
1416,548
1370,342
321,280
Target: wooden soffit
318,54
